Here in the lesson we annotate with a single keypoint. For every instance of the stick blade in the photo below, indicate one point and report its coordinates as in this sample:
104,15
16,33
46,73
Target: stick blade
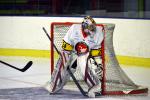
27,66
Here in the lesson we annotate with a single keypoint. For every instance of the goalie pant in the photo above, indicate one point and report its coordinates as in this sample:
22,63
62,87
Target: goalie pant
90,67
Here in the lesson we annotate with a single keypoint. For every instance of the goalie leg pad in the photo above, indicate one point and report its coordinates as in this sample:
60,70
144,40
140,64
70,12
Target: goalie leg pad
60,75
95,72
96,69
95,65
55,78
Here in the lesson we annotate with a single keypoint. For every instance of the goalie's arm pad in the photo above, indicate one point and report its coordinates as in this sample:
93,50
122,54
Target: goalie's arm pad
66,46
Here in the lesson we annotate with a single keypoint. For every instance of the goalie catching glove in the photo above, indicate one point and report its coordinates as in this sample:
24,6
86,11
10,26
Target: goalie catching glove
81,48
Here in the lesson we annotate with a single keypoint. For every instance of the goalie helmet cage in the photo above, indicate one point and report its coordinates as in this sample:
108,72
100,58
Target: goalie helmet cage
114,81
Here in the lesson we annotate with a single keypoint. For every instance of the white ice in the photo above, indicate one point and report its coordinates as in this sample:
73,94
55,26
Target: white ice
39,74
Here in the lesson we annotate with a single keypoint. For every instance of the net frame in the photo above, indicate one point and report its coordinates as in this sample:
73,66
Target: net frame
137,90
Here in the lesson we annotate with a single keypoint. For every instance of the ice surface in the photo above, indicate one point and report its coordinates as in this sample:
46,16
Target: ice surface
15,85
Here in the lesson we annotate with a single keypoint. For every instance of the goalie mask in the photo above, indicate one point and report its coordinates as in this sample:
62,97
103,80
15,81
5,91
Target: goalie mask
88,25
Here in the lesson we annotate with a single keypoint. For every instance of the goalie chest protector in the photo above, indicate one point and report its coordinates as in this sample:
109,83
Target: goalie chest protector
75,36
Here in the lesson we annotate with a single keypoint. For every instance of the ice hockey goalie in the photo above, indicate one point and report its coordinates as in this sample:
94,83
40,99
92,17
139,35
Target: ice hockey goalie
81,48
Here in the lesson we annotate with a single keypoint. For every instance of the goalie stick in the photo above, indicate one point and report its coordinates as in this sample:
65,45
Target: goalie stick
27,66
68,69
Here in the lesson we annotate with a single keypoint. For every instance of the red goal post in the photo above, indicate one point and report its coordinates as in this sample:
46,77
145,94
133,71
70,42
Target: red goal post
115,81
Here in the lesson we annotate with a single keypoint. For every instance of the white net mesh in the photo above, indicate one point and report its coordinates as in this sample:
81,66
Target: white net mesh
115,81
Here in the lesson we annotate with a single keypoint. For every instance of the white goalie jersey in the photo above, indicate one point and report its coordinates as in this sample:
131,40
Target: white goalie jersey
76,35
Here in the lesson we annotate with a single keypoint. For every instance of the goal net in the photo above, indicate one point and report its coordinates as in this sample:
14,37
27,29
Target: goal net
115,81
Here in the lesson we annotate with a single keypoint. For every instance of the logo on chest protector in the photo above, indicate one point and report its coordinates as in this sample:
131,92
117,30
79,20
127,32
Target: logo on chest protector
81,48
